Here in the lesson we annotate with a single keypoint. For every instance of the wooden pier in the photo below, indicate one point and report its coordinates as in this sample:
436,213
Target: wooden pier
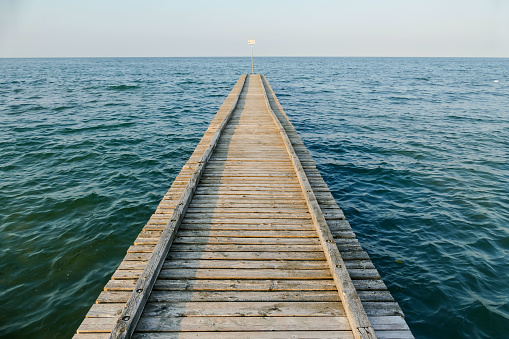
247,243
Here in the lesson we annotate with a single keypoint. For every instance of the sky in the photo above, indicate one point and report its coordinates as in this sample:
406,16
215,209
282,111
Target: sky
168,28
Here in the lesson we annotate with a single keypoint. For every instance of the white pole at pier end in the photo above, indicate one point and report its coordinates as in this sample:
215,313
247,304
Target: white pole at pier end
251,42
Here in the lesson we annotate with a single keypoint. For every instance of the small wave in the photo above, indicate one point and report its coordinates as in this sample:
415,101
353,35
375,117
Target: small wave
80,129
122,87
18,106
396,98
188,82
61,108
116,104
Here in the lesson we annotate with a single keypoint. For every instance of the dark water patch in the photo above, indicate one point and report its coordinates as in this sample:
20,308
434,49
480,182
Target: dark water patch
107,127
116,104
397,99
122,87
86,88
19,107
62,108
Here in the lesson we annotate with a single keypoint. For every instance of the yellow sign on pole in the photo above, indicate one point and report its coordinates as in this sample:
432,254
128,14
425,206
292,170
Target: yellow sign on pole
251,42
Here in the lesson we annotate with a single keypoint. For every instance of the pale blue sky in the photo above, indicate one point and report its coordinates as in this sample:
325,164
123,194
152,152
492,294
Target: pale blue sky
71,28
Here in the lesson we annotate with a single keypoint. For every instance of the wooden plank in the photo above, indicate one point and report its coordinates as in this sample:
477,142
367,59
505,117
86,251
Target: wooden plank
300,210
247,215
242,324
244,309
229,264
244,248
205,273
244,285
365,268
369,285
250,335
92,336
382,308
394,334
126,274
269,204
120,285
214,296
247,264
109,310
245,180
280,195
243,201
247,173
239,232
97,325
280,221
232,240
243,296
246,240
257,227
370,296
390,323
249,255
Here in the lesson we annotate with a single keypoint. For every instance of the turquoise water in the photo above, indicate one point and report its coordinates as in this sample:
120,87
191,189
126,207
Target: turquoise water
415,150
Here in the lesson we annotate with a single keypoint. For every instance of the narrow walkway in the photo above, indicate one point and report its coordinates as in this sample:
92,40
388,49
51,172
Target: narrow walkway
248,260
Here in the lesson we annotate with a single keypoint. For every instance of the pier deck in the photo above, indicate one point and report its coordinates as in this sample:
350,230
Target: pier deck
247,243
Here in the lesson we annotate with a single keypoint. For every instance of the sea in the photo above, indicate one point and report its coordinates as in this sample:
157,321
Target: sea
414,150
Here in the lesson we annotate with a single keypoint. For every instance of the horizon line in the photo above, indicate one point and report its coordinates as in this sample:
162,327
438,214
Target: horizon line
261,56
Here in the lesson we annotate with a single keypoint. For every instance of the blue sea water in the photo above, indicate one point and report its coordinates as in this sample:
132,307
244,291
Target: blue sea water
415,151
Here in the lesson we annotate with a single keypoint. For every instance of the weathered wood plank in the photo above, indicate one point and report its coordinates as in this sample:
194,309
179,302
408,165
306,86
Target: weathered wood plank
214,296
243,309
298,210
245,285
244,248
248,255
394,334
242,324
205,273
92,336
245,335
279,221
389,323
246,240
301,229
356,271
184,232
247,215
247,264
97,325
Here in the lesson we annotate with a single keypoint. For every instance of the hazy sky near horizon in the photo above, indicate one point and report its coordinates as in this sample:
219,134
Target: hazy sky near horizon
166,28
